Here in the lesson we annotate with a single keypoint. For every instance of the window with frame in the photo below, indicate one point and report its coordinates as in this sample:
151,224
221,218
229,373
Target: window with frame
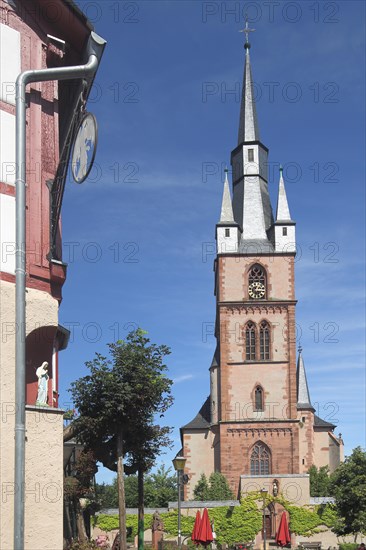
264,341
284,231
257,284
227,232
260,460
250,155
250,341
258,399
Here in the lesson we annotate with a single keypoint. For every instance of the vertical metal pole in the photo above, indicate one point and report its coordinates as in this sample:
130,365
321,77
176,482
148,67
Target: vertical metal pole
20,267
264,524
179,512
95,46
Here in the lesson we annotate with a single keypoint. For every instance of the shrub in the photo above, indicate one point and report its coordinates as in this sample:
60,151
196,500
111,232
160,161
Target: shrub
348,546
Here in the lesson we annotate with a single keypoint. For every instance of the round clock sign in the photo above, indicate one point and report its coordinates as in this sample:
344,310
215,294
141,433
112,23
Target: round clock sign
85,146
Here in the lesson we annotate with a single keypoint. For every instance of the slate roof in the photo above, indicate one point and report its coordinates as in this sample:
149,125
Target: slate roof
216,357
320,423
226,207
303,395
202,419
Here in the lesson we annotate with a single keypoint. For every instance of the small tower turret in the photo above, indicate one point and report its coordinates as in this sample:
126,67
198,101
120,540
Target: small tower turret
284,227
227,230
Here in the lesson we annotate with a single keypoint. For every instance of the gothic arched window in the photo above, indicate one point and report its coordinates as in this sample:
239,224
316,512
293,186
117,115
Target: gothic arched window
258,399
264,341
257,283
260,460
250,344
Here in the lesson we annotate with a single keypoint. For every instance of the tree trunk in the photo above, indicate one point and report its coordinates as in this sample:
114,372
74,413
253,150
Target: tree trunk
141,530
121,492
67,523
82,536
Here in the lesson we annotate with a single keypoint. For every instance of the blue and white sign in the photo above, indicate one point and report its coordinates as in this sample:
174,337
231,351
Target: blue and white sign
85,147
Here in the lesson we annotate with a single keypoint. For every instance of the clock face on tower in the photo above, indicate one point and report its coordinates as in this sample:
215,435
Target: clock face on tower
257,290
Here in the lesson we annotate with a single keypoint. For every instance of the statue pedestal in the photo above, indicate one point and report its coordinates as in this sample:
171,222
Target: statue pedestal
157,530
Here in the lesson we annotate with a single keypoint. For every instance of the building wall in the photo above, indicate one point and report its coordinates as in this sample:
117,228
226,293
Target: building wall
200,450
294,488
232,273
328,450
44,431
306,440
44,480
24,47
237,441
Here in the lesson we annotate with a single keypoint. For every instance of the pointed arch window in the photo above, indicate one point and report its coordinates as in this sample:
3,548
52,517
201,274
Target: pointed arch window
250,341
264,341
258,399
257,284
260,460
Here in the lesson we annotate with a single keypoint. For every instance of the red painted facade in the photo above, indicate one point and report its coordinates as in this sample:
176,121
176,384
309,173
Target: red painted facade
34,20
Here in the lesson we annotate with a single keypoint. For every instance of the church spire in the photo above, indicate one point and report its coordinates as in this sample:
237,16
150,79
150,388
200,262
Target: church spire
226,207
303,395
248,123
251,203
283,211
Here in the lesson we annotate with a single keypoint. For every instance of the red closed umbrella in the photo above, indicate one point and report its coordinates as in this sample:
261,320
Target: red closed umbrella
283,533
196,528
205,534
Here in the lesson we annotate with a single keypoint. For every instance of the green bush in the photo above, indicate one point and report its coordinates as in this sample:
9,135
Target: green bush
348,546
238,524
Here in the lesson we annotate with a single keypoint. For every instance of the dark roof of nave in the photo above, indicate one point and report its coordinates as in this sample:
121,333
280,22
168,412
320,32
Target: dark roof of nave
202,419
320,423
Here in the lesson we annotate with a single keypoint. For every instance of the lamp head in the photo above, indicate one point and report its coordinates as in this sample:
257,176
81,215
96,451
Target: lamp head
179,463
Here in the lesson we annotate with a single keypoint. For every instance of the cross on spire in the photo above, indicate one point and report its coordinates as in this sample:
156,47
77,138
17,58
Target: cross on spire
246,30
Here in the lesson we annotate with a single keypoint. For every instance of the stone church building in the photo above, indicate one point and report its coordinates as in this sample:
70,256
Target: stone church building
258,426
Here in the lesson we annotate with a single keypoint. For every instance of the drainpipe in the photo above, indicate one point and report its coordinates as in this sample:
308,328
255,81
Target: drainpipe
95,49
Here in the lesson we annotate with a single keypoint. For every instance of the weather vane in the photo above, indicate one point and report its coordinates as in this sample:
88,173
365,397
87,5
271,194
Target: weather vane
247,30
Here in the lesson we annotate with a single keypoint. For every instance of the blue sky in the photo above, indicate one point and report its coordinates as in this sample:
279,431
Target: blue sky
138,235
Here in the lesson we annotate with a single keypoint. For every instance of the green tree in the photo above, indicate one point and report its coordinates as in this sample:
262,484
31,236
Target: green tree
200,492
160,488
319,481
107,494
348,486
219,487
77,486
215,488
117,401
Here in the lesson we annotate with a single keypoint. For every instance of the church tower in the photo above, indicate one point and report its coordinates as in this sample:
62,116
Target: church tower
258,425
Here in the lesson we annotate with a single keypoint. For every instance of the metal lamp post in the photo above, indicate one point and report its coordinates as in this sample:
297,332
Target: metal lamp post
264,493
178,463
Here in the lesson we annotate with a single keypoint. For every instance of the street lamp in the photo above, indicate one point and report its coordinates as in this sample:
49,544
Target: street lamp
178,463
264,493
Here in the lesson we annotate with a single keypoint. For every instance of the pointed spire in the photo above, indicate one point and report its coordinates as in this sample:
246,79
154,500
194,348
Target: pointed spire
303,395
227,207
283,211
248,124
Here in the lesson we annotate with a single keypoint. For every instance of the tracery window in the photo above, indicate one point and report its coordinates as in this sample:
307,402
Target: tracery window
264,341
250,344
258,399
257,283
260,460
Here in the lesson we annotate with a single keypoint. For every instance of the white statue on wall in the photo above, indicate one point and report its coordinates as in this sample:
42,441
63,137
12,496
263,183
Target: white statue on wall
43,377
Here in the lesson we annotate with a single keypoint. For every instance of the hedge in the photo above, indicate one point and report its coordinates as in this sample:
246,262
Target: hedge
237,524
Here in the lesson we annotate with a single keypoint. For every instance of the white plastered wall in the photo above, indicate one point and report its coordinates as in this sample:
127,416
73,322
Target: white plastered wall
44,445
7,233
7,148
9,62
